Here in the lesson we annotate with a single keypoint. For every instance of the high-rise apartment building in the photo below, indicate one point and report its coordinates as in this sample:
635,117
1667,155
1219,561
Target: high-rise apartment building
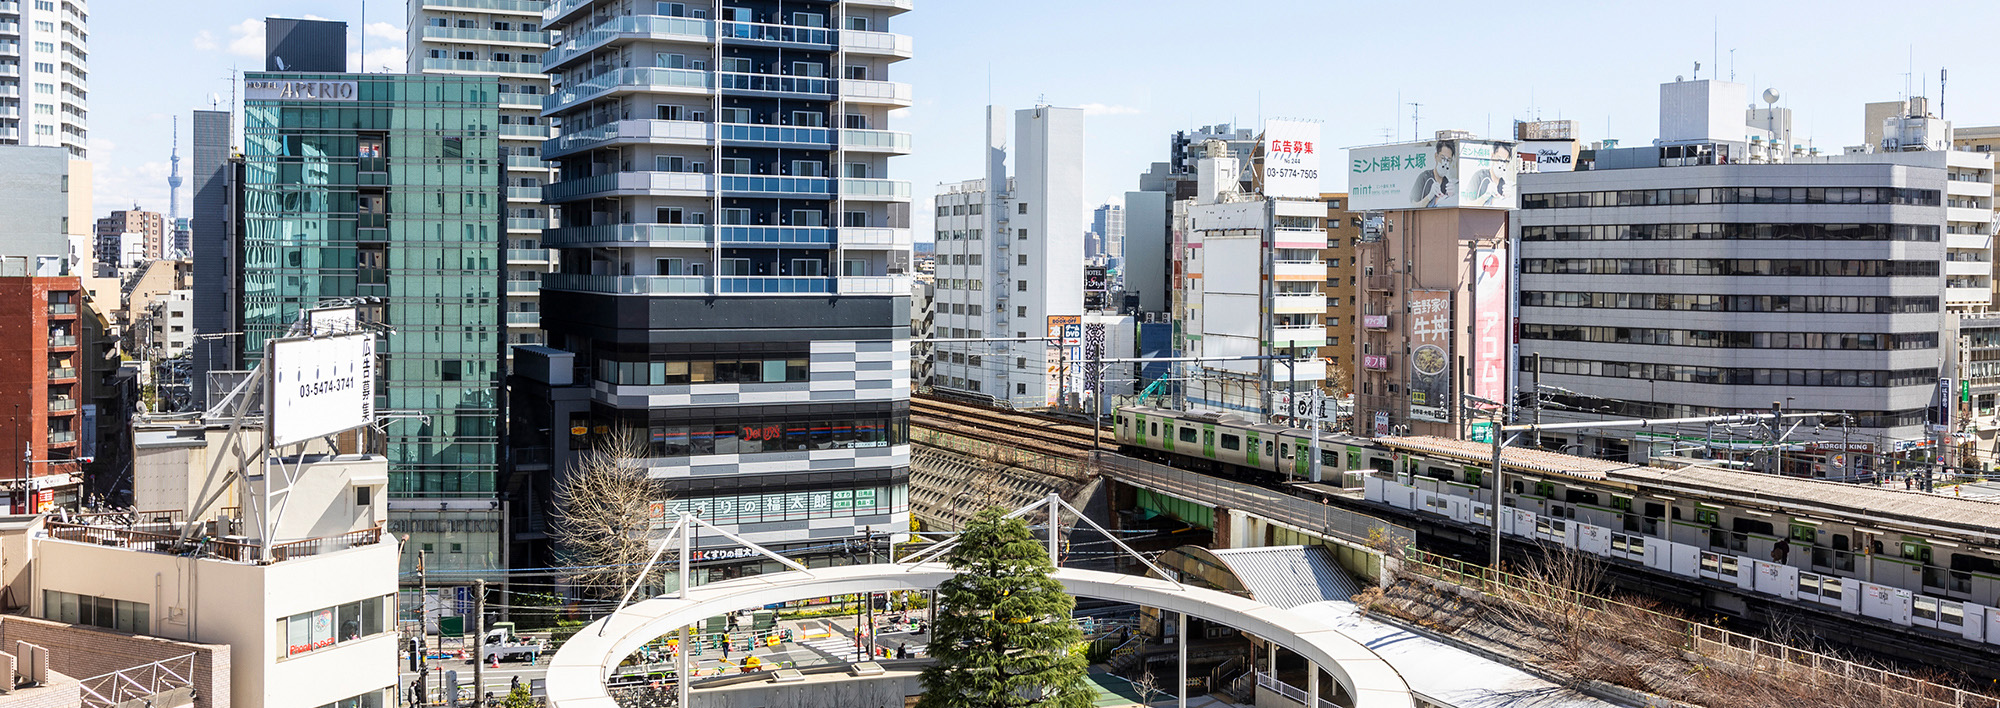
728,238
1010,265
1249,280
1107,235
151,228
44,53
503,39
211,243
41,380
383,191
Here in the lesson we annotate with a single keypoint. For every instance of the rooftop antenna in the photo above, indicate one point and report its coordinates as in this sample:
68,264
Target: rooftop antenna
1697,71
1416,121
1714,43
1732,65
1941,78
364,37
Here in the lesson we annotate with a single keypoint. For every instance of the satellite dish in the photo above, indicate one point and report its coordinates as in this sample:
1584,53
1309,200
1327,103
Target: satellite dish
1770,95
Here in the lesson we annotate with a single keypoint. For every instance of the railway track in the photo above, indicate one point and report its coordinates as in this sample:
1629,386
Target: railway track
1046,434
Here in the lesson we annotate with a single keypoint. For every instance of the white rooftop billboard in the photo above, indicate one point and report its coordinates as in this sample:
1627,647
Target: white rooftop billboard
319,386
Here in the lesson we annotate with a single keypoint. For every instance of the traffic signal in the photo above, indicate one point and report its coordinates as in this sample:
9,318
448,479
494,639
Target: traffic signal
416,657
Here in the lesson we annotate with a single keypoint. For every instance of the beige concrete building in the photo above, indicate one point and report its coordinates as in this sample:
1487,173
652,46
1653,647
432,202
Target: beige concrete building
152,226
1343,286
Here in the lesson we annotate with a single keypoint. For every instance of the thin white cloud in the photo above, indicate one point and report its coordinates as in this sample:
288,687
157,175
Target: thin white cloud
249,38
385,60
1100,109
386,31
204,41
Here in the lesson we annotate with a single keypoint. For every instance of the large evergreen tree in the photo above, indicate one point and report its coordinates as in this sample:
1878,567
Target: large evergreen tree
1002,636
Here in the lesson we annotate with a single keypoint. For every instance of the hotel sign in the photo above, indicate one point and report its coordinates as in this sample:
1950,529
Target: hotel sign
280,90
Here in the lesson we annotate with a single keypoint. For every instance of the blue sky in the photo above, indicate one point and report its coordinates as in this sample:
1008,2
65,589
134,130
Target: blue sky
1145,68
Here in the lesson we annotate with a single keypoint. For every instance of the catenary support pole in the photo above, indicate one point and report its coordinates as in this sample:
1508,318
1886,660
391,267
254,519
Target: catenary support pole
1182,639
479,644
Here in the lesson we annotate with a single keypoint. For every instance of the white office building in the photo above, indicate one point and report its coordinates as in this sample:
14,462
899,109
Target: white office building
1010,266
504,39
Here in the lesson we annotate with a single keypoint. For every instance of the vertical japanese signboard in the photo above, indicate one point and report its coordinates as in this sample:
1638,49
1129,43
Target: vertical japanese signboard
1430,355
1065,344
1291,159
1490,330
1939,415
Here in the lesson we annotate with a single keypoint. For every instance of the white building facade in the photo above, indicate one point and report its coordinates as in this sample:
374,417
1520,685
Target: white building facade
1250,285
504,39
44,53
1010,266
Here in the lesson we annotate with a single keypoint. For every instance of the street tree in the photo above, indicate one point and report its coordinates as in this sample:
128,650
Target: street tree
604,521
1002,636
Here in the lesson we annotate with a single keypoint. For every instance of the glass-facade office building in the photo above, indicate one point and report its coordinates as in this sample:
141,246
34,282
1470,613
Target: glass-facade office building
387,188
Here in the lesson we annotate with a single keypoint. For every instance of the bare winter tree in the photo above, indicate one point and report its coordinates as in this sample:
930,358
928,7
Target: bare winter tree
1148,688
604,522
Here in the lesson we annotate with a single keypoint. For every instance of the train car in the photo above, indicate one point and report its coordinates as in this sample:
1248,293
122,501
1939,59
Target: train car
1232,446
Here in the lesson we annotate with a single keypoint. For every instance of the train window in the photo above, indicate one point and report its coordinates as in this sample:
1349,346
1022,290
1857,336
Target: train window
1655,511
1518,488
1741,525
1153,429
1710,517
1916,551
1438,473
1381,464
1804,534
1232,442
1267,448
1968,563
1574,496
1187,435
1329,458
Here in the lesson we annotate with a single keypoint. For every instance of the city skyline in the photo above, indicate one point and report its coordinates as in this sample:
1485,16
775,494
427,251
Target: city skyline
1559,60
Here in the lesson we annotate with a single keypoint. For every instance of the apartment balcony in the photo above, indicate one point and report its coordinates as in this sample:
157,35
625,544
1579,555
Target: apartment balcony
538,132
531,101
881,141
524,194
1298,304
562,9
524,319
615,235
795,236
1964,296
518,7
884,44
874,284
1968,241
628,284
62,405
530,256
881,93
62,342
772,285
469,35
1975,215
765,34
1968,268
641,80
874,237
524,287
813,87
9,6
9,91
61,373
629,27
631,132
784,136
62,309
894,6
522,223
1299,336
60,437
533,163
13,70
1314,239
787,186
1299,270
10,49
521,69
631,184
878,190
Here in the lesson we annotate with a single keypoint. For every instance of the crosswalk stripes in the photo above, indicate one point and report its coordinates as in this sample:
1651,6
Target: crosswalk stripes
837,647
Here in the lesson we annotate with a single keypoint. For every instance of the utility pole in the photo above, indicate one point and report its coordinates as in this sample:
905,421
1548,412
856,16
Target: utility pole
1537,373
479,643
423,628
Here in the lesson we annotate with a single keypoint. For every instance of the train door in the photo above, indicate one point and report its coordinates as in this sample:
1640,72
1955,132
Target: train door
1138,430
1250,449
1301,459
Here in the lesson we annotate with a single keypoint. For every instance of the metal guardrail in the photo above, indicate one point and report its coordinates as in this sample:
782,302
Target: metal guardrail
138,683
1273,505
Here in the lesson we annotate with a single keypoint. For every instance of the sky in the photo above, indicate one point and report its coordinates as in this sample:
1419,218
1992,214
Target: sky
1142,69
